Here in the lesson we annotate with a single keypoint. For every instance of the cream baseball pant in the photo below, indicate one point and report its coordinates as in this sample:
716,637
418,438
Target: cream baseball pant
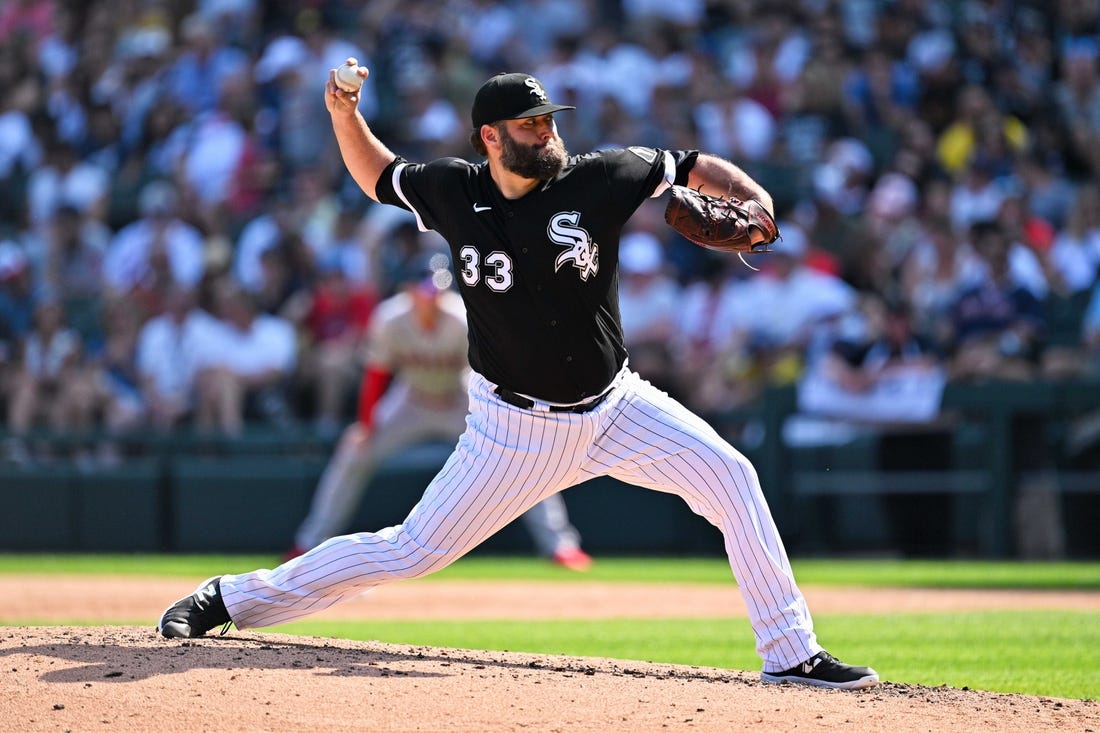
508,460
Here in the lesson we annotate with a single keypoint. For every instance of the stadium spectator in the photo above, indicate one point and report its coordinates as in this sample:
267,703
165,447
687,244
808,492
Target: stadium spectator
112,362
150,156
168,349
975,196
304,138
51,387
66,180
932,276
977,122
997,321
17,299
732,124
333,328
20,150
844,175
1077,100
306,215
1073,266
210,163
1031,239
18,294
287,275
1049,194
881,95
803,304
1075,253
891,220
246,359
204,64
814,107
266,231
701,354
434,126
648,298
73,251
157,249
347,248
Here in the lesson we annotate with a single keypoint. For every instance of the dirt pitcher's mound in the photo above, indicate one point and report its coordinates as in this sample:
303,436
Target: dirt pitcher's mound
129,679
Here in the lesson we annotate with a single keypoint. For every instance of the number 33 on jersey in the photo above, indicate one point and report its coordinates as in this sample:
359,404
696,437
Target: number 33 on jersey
580,250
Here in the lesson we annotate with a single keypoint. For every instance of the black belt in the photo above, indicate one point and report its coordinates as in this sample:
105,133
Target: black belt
518,400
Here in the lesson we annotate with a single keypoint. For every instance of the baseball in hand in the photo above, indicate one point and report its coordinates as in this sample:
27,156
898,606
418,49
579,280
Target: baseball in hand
348,79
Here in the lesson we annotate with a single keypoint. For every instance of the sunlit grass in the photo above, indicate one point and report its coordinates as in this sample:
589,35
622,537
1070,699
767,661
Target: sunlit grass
1030,652
887,572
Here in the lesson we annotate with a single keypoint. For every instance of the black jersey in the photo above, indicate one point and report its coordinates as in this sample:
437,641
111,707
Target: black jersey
539,274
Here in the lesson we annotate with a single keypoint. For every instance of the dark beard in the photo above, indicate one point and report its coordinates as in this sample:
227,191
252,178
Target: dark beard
529,161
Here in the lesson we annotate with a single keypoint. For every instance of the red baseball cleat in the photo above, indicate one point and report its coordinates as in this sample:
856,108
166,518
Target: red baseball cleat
574,559
293,552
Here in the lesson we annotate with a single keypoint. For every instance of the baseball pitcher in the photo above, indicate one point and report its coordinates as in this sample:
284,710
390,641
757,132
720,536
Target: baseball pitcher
534,235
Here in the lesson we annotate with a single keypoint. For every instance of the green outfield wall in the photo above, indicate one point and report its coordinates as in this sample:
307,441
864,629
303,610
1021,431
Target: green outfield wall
957,493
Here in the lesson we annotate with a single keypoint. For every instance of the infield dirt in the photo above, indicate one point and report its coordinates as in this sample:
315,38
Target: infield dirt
126,678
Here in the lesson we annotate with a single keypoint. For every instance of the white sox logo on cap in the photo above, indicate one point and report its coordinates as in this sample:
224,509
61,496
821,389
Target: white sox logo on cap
536,90
512,97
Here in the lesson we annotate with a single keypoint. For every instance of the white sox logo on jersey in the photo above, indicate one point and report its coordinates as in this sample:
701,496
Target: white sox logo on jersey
582,252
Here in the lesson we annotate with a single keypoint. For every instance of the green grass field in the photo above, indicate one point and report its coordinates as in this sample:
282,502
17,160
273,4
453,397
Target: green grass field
1032,652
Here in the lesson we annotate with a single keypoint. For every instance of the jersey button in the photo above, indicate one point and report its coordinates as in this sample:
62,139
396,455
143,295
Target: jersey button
524,250
569,358
553,323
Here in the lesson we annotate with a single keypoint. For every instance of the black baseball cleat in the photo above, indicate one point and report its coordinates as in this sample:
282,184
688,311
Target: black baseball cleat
197,613
825,670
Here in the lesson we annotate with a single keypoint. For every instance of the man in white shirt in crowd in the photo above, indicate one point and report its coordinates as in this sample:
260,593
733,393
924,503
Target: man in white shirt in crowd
245,362
167,353
155,247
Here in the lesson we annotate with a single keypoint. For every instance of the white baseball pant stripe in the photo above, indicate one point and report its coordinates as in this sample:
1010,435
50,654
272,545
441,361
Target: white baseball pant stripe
401,421
509,459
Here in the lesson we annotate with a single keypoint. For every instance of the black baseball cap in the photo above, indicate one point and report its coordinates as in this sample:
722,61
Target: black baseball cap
511,97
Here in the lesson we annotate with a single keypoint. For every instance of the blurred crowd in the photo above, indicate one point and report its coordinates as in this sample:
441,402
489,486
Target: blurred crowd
180,244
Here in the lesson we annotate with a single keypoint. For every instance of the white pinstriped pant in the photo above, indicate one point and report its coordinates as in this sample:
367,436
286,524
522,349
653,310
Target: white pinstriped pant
400,421
508,460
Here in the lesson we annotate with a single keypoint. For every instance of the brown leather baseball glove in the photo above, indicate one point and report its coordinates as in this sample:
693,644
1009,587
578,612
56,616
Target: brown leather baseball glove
724,224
